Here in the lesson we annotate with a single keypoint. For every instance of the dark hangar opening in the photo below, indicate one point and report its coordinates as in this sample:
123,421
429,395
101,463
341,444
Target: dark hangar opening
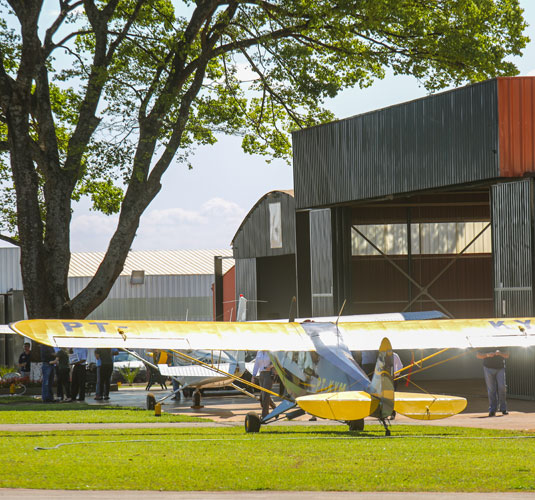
427,251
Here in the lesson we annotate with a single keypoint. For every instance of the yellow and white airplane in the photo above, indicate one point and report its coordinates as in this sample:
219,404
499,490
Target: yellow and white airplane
312,359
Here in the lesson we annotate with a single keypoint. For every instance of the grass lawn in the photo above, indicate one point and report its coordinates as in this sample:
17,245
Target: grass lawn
31,411
414,458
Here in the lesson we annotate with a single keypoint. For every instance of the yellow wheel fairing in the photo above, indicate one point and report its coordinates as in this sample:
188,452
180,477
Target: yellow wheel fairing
354,405
427,406
347,405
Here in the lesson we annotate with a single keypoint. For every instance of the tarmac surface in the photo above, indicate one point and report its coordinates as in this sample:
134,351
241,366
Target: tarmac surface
225,408
228,408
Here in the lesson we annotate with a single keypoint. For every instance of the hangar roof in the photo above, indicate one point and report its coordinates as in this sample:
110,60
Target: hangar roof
289,192
154,262
468,136
260,227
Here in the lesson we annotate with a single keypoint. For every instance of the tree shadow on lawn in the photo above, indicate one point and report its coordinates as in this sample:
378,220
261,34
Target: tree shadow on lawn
375,433
37,405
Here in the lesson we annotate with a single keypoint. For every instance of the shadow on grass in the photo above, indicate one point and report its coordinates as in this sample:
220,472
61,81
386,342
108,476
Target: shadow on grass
37,405
379,432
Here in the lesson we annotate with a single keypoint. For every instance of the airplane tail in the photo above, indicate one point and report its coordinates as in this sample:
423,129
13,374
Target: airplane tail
237,363
241,313
418,406
382,384
379,400
376,401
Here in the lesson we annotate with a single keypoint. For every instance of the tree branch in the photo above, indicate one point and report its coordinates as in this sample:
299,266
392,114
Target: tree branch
64,11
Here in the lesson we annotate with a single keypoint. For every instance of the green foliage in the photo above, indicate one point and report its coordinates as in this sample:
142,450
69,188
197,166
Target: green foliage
111,98
129,374
4,370
282,458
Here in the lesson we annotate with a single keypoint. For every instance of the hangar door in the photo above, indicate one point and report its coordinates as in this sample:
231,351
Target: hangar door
512,241
275,277
512,248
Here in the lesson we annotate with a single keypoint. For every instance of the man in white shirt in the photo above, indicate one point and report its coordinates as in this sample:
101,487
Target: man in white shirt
263,366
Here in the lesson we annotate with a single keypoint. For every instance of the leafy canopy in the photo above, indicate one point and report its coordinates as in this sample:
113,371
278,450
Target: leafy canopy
100,97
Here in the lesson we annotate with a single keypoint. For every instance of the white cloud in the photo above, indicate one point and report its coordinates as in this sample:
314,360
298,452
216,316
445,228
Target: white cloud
92,232
531,73
172,216
218,207
210,225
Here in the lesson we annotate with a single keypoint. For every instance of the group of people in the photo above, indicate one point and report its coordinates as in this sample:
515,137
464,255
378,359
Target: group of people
69,369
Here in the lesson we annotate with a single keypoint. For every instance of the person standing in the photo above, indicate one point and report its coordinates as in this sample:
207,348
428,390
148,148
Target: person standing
25,360
494,371
63,372
105,358
78,361
36,372
48,359
262,369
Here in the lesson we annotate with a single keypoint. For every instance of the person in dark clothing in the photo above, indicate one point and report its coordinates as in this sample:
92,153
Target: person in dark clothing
105,356
25,361
78,360
36,371
63,375
48,358
494,371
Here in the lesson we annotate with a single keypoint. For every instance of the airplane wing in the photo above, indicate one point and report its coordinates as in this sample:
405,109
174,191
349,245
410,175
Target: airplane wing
441,334
180,335
269,336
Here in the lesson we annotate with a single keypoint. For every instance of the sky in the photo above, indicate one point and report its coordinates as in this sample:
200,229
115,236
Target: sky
202,208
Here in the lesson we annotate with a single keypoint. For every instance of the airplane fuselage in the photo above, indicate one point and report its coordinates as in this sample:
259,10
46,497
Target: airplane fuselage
331,368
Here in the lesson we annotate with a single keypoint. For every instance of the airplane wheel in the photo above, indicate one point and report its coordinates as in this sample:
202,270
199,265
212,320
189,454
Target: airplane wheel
356,425
252,422
151,401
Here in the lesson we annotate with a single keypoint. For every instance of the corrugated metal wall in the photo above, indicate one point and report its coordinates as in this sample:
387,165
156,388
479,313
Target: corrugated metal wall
520,372
513,248
10,277
512,237
321,266
341,259
254,237
441,140
516,107
246,285
159,298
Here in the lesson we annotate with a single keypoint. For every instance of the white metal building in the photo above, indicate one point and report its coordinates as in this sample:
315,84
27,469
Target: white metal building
154,285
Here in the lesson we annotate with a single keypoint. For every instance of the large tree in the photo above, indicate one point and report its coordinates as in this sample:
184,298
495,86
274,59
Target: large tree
99,98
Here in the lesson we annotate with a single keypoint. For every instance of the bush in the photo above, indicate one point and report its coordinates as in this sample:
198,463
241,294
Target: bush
4,370
129,374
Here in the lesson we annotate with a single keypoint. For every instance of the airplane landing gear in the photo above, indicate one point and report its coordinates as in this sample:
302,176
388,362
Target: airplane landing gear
151,401
252,422
356,425
197,400
385,425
